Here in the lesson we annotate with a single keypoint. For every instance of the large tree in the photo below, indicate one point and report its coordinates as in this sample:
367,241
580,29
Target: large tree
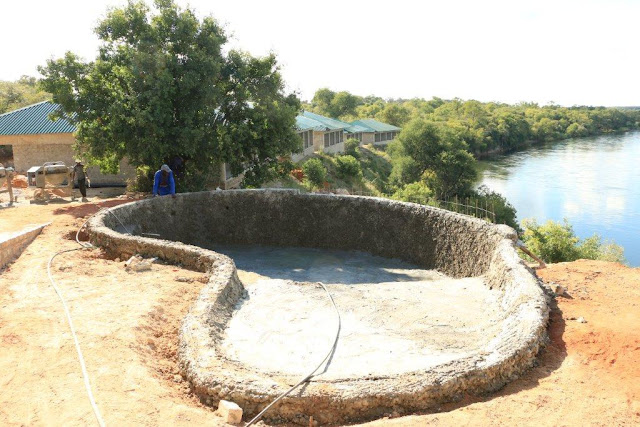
434,153
161,87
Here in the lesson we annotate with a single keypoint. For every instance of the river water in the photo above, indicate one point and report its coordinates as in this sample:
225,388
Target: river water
593,182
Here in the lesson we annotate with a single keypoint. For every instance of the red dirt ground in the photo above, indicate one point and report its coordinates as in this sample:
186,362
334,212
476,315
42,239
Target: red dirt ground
127,323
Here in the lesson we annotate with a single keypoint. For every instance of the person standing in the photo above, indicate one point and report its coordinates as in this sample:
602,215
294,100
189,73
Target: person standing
164,183
81,176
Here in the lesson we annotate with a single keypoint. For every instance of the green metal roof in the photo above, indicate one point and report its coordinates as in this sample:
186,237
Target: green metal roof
329,123
305,123
33,120
375,126
357,128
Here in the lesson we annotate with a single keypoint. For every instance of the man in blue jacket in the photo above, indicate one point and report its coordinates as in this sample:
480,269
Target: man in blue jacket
163,182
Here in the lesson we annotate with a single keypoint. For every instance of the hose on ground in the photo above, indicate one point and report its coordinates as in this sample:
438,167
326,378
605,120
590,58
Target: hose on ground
327,358
87,384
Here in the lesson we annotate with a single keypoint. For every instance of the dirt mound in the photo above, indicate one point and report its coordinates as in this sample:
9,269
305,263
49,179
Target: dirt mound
19,181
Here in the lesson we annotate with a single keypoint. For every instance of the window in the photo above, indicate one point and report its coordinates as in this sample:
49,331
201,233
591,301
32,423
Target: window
377,137
308,139
305,139
332,137
341,137
326,140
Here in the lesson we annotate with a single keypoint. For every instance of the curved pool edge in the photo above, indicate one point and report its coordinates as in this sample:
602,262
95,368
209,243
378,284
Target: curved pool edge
213,378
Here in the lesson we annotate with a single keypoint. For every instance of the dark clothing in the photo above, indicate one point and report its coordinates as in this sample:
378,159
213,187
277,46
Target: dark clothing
82,184
78,171
163,184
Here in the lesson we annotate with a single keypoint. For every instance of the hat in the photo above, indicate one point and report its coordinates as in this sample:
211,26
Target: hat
165,168
78,161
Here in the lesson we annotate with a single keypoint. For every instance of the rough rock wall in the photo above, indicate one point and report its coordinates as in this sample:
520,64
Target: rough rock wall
12,244
432,238
429,237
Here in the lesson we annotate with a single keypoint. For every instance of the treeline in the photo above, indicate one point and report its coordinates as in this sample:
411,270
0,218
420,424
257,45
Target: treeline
20,93
483,126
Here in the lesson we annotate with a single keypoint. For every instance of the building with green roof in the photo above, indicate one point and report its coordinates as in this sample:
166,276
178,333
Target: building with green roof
377,133
35,139
319,133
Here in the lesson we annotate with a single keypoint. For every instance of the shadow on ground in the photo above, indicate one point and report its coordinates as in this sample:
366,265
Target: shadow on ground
81,211
322,265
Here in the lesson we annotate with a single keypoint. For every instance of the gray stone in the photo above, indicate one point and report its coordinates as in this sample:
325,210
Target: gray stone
432,238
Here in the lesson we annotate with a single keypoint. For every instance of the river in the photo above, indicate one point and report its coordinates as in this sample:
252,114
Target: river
593,182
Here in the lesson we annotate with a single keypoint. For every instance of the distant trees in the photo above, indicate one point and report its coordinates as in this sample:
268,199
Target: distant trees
484,127
24,91
163,87
334,104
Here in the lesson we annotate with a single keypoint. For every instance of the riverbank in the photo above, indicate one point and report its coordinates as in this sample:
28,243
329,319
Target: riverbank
592,182
500,151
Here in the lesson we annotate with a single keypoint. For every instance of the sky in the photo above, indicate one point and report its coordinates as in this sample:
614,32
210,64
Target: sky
563,51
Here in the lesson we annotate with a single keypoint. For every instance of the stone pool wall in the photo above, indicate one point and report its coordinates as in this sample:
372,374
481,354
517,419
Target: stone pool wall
455,244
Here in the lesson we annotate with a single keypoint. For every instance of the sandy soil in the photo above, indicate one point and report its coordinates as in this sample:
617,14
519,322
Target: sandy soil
127,325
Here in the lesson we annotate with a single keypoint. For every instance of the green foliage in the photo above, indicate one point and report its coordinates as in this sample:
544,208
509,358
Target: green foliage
404,170
557,242
494,202
315,172
351,147
348,167
436,154
416,192
334,104
25,91
162,86
376,168
484,127
552,241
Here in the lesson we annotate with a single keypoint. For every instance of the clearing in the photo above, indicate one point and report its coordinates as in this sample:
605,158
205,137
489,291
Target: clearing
127,325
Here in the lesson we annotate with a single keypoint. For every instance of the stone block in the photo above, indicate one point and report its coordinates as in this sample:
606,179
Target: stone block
230,412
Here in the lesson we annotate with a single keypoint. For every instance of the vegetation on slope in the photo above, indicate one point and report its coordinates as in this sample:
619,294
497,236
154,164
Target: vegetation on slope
484,127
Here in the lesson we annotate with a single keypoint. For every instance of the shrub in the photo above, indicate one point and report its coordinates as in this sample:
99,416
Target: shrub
348,167
351,147
416,192
315,172
495,202
557,242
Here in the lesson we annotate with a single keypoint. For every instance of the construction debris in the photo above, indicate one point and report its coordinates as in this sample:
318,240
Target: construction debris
230,412
137,263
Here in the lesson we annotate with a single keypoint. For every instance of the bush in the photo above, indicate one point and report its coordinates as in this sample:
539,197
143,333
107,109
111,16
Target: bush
557,242
416,192
351,147
315,172
495,202
348,167
143,181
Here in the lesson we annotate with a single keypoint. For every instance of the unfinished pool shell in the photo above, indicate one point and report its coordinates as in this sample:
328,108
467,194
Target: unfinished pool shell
493,308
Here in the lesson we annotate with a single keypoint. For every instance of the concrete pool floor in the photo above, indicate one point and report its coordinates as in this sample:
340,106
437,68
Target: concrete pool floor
396,317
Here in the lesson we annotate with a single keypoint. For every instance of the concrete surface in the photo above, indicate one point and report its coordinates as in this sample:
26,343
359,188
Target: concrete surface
396,317
433,239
